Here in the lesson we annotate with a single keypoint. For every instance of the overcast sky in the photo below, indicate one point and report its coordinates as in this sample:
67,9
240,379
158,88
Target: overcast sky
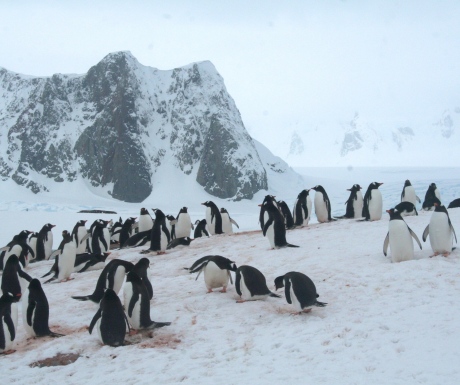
284,62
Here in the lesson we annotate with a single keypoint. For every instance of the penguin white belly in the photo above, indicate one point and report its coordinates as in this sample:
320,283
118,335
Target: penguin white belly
81,247
437,194
135,318
163,241
106,234
145,223
211,225
246,294
49,245
25,304
14,314
401,245
183,226
66,261
294,300
440,233
118,279
227,227
309,206
98,327
8,340
16,249
320,208
375,205
358,205
270,234
215,277
33,245
409,195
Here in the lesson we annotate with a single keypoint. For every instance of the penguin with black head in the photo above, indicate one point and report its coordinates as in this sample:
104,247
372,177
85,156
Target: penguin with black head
288,219
64,263
302,208
408,193
441,231
354,204
216,270
17,246
251,285
200,229
79,233
274,228
213,218
7,325
373,204
432,196
184,224
322,204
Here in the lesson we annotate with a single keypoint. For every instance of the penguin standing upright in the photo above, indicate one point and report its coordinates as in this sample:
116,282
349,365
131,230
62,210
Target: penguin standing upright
251,285
141,268
137,304
115,231
200,229
216,271
213,218
159,235
110,320
227,222
354,208
399,237
79,232
274,228
322,204
288,219
7,325
126,230
441,231
408,193
184,224
14,279
299,290
263,215
432,196
111,277
302,208
65,259
373,205
100,236
171,225
45,242
17,246
32,242
35,311
145,220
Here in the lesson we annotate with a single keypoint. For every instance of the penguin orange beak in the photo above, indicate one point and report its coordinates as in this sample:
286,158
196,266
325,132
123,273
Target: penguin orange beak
260,205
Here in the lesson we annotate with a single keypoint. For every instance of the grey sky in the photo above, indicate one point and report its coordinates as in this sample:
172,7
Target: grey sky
284,62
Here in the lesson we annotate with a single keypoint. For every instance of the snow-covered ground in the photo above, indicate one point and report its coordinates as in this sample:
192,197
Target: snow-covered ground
385,323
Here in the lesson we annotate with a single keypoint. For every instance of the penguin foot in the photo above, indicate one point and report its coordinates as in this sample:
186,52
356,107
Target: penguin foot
161,252
67,279
6,352
224,290
132,332
240,300
209,291
446,254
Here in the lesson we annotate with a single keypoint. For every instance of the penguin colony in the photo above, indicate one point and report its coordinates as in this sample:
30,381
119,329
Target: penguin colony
88,249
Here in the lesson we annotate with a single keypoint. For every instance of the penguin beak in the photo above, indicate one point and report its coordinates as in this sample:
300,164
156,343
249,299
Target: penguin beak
259,205
380,184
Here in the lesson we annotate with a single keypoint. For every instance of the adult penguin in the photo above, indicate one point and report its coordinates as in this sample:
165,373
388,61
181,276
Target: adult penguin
441,231
137,304
399,237
200,229
65,259
302,209
185,241
432,196
35,311
354,204
126,230
184,224
111,277
216,270
115,230
171,223
79,232
372,205
408,193
406,209
322,204
251,285
454,204
32,242
145,220
88,262
213,218
300,291
274,228
263,215
7,325
141,268
100,236
288,219
17,246
45,242
159,235
110,320
14,279
227,221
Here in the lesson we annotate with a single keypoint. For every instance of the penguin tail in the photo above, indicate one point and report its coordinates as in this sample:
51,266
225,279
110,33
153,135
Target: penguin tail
48,273
156,325
275,295
289,245
82,297
320,304
56,335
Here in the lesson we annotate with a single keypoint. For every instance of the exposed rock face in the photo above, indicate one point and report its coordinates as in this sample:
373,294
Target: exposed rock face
118,124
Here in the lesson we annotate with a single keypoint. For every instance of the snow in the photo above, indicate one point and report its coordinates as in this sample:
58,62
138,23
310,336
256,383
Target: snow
385,323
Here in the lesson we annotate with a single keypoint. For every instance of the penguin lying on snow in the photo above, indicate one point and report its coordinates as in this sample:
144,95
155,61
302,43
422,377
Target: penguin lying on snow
299,290
89,262
7,326
216,271
251,284
35,311
110,320
441,231
185,241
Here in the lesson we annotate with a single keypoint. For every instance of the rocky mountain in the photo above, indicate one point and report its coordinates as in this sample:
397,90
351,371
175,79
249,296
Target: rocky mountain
120,123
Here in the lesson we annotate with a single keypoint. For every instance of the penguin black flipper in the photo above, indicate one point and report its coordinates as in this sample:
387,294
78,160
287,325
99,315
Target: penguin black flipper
385,244
238,283
132,303
267,225
94,320
452,228
24,275
415,237
426,232
9,322
234,222
287,291
54,268
197,263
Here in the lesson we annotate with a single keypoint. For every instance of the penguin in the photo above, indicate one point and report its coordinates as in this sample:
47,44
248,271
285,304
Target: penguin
184,225
288,219
213,218
251,284
432,196
179,242
372,205
14,279
302,209
399,238
111,277
110,320
45,242
406,208
263,215
137,304
408,193
145,220
65,259
89,262
441,231
139,239
17,246
7,326
322,204
141,269
216,271
32,242
354,208
100,236
159,235
200,229
171,225
300,291
274,228
35,311
454,204
115,231
126,230
79,232
227,222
